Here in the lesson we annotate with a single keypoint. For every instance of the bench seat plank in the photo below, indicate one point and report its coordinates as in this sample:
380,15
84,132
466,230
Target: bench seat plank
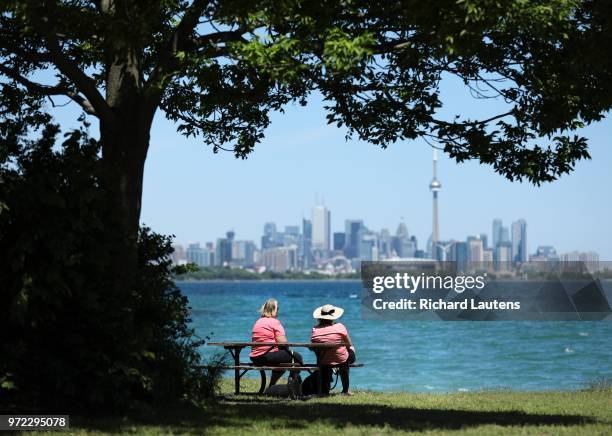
286,366
276,344
269,368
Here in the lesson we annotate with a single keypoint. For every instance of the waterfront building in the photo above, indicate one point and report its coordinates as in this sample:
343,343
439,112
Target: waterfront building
503,257
201,256
243,254
280,259
589,259
178,256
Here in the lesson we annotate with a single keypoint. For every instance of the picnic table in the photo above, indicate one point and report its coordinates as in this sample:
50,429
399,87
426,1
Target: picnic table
240,369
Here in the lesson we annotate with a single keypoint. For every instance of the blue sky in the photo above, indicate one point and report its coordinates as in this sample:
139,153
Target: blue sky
197,195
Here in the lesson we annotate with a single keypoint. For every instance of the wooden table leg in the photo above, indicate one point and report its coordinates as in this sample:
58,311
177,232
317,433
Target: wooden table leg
320,377
235,352
262,388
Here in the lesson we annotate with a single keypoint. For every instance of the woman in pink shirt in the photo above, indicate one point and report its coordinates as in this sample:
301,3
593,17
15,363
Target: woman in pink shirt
326,331
269,329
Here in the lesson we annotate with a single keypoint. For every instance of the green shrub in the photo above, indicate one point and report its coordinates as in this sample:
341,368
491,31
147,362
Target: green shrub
69,340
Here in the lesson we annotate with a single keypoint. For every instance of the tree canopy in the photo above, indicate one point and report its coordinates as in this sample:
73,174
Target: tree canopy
218,68
88,312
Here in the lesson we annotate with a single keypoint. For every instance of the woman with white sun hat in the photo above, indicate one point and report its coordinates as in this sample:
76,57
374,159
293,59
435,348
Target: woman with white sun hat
329,331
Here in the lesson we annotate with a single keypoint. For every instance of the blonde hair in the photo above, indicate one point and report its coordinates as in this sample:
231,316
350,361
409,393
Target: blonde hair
269,308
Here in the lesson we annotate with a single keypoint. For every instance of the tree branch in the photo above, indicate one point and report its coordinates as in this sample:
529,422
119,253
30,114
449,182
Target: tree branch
155,85
47,90
472,123
85,84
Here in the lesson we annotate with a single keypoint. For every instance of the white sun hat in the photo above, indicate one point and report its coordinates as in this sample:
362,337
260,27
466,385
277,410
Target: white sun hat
328,312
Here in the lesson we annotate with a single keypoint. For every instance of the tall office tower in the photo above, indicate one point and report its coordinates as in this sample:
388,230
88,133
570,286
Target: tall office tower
485,240
352,231
367,245
269,238
496,233
402,230
321,218
519,241
435,186
306,246
224,249
339,241
458,253
384,244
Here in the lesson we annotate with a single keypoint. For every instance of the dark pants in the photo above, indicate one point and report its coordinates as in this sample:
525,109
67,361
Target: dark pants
277,357
343,370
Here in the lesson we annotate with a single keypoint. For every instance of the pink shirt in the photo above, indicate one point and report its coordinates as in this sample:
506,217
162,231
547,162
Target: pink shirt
266,330
331,333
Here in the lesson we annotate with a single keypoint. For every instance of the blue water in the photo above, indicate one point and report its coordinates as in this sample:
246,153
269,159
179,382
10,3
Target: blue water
433,356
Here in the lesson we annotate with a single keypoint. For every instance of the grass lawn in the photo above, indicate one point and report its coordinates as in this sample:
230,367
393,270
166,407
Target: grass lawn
487,412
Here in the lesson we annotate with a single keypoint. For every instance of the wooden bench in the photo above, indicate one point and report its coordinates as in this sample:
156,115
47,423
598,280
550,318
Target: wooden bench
241,368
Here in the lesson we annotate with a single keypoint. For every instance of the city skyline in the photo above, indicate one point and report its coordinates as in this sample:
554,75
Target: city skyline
342,222
511,240
321,240
314,247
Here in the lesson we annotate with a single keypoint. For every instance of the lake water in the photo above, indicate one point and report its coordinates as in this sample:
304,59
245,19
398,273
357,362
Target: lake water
432,356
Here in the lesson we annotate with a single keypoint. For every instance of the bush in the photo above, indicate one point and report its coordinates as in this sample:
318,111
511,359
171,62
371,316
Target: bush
69,340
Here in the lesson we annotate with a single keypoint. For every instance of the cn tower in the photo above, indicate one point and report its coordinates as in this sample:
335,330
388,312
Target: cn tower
435,186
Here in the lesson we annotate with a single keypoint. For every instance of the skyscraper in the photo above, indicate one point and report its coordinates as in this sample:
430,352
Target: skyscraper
519,241
402,230
497,232
435,186
485,240
352,230
321,218
459,253
339,241
306,247
269,238
384,243
223,256
475,248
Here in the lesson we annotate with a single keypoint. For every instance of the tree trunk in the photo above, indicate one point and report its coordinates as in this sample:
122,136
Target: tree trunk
125,142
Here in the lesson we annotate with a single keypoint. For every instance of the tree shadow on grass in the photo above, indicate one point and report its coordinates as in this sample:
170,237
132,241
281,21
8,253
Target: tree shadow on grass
337,416
302,415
